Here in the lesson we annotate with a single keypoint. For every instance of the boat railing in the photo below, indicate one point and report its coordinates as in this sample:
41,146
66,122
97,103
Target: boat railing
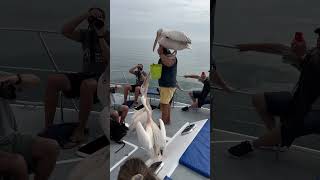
55,68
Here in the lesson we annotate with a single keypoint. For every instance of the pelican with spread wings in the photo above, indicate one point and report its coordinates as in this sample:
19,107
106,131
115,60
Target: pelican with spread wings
151,136
171,39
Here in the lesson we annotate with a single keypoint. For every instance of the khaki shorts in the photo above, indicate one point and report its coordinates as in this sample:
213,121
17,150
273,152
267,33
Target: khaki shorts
166,94
17,143
116,107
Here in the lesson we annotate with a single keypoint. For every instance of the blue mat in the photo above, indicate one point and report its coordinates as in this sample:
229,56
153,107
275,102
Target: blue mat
197,155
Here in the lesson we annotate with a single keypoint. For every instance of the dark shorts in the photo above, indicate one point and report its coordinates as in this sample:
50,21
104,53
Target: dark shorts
20,144
201,100
76,80
196,94
133,87
278,104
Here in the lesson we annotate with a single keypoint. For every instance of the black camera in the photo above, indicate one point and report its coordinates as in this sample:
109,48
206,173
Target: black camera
98,23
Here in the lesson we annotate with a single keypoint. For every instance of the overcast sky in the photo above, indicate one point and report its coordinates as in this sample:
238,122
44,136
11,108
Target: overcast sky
142,18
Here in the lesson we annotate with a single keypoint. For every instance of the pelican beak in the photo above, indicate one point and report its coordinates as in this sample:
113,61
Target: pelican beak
155,41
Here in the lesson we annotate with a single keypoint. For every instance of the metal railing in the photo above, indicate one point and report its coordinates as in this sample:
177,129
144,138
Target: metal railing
49,54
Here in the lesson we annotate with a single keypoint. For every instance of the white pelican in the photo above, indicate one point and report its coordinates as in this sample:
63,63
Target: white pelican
152,138
175,40
102,88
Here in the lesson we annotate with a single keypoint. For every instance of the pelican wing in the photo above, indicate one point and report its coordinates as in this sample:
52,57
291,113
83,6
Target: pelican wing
176,36
159,141
144,136
162,129
175,45
139,116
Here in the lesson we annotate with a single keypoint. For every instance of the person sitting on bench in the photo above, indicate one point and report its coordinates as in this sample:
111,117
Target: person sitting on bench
136,70
118,112
297,116
202,97
83,84
21,154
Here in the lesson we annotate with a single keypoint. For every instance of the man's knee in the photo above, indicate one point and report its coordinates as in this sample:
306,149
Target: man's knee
45,148
57,81
127,87
124,108
114,114
16,165
88,85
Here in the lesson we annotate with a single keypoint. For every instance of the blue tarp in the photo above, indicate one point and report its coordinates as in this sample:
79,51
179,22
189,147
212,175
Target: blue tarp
197,155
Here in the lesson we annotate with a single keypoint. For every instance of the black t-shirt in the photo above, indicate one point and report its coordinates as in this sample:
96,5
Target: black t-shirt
306,92
92,56
139,80
205,91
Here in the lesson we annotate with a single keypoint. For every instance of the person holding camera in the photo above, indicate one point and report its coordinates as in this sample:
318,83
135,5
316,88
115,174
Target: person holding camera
136,70
94,40
21,154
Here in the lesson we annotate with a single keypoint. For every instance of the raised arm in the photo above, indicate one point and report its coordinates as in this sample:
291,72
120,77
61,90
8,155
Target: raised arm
272,48
132,70
69,28
192,76
168,60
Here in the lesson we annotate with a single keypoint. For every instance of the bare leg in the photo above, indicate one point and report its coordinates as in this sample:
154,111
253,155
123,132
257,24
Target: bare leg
259,103
195,104
13,165
124,111
44,153
136,93
165,108
127,88
191,96
56,83
272,138
115,115
87,91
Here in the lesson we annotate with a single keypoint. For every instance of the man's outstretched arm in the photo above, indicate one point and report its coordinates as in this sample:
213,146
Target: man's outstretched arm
271,48
23,80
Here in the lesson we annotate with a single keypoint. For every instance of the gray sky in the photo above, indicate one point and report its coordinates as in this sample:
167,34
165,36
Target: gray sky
141,18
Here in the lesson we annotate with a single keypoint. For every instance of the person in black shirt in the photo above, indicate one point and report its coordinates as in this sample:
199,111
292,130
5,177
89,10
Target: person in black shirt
137,70
95,45
200,98
294,108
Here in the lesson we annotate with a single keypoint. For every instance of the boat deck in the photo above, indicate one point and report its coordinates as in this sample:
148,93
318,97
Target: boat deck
295,164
